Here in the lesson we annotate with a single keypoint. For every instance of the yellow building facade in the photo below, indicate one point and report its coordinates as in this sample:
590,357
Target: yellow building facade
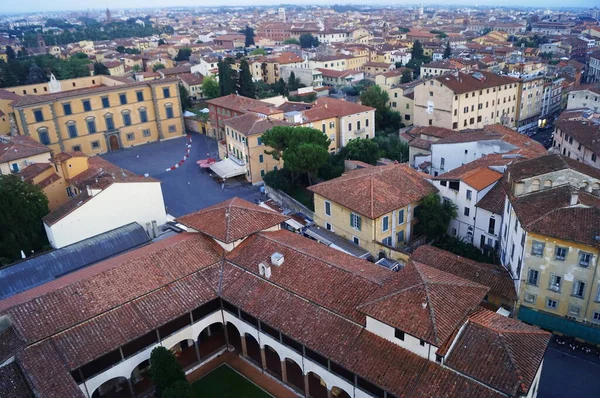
108,116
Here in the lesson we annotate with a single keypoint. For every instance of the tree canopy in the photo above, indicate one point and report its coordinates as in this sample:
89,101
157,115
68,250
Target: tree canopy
186,100
183,54
258,51
386,119
364,150
447,51
307,40
406,76
16,71
164,369
434,216
249,32
291,41
158,66
227,76
179,389
210,87
101,69
294,82
21,228
245,84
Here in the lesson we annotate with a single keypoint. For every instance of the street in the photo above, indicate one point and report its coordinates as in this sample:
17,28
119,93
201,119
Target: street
186,188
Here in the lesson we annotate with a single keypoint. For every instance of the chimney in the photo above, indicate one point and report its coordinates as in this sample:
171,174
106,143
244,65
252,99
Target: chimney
155,228
149,230
277,259
264,270
574,198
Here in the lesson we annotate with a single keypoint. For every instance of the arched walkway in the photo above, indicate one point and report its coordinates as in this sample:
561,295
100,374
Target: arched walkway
337,392
253,350
272,362
185,352
140,378
211,340
233,335
316,386
294,375
113,388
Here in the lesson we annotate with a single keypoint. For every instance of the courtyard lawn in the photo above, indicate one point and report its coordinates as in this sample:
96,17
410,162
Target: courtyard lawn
224,382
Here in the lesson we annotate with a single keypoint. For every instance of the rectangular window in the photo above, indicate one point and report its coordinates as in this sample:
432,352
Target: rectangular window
469,194
385,223
146,133
110,124
143,115
38,115
532,277
166,92
76,148
356,240
537,248
467,211
552,304
355,221
44,137
127,119
596,317
400,236
328,208
95,144
72,128
578,289
387,241
399,334
67,109
492,226
105,102
172,128
442,163
366,122
130,136
555,283
259,141
262,173
91,126
584,259
401,217
169,110
261,158
560,253
87,106
349,126
123,99
358,125
140,96
529,298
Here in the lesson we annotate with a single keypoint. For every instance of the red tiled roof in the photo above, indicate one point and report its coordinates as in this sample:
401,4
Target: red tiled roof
232,220
34,170
499,351
495,277
465,82
250,124
493,201
481,178
236,102
548,164
20,147
342,108
375,191
425,302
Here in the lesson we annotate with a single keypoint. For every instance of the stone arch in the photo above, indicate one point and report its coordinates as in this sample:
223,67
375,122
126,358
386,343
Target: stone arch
211,339
339,392
535,185
233,337
272,362
115,387
317,386
584,185
548,183
140,378
185,352
294,375
253,350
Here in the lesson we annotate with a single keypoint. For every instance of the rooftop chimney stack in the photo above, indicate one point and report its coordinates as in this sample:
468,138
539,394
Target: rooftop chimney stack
574,198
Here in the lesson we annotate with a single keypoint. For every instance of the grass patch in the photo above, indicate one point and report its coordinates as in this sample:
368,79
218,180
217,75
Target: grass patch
224,382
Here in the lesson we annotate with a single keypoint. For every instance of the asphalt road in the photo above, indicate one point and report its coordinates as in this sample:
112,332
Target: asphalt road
187,188
569,374
544,137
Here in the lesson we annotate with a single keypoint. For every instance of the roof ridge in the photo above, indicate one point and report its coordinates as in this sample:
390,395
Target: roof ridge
430,306
512,360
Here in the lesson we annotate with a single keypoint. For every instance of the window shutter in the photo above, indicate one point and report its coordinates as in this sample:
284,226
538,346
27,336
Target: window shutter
350,219
358,222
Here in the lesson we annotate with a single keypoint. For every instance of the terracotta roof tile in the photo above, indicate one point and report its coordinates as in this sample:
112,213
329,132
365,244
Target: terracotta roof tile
548,164
13,383
493,276
250,124
33,170
375,191
493,201
20,147
342,108
464,82
232,220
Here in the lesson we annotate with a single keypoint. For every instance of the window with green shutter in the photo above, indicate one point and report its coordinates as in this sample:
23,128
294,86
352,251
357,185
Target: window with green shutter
355,221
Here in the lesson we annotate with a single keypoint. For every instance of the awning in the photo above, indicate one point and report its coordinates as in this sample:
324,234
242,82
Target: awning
227,168
205,163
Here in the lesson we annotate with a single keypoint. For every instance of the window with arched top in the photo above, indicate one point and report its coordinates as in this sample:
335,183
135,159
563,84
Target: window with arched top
143,114
110,123
535,185
584,185
72,129
44,135
169,110
548,184
126,117
91,124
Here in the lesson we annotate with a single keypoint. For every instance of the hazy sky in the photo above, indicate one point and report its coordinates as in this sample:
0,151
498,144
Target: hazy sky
61,5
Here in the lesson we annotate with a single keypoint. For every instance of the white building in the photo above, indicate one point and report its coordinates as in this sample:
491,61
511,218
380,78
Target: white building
587,98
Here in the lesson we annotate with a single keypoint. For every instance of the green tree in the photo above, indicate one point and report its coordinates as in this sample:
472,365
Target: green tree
440,34
280,87
417,51
136,68
36,75
447,51
307,40
120,49
307,157
258,51
291,40
164,369
392,147
402,29
10,53
293,83
406,76
179,389
227,76
161,42
364,150
183,54
434,216
23,206
377,98
158,66
101,69
210,87
249,40
184,95
245,84
7,76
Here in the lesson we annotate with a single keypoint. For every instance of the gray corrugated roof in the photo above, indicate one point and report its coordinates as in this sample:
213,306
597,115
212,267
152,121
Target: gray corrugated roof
48,266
